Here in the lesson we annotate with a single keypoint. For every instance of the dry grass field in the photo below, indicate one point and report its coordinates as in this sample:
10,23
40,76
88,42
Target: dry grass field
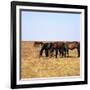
33,66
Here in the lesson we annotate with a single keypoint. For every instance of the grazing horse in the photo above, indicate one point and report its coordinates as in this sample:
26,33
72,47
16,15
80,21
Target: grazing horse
53,47
37,43
58,47
45,47
71,46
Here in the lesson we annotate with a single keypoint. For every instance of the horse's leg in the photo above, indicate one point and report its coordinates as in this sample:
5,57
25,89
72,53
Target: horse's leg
59,51
41,51
64,51
56,52
78,49
67,52
46,52
51,52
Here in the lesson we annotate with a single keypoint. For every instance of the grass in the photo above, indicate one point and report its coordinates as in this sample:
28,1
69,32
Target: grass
33,66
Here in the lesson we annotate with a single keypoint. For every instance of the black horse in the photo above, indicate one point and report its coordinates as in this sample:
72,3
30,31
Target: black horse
45,47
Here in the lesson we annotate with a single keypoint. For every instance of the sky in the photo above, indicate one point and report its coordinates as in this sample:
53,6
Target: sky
49,26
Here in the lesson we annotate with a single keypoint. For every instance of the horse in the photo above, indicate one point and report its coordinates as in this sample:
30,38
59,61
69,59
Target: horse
58,47
72,45
45,47
51,47
37,43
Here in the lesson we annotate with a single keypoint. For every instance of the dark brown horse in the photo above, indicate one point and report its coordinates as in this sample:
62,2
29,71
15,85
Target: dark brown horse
72,45
51,47
58,48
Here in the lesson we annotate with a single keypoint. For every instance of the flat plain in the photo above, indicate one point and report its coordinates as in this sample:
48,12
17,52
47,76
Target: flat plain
33,66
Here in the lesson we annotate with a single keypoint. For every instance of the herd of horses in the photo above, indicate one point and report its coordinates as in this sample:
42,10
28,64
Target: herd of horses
58,48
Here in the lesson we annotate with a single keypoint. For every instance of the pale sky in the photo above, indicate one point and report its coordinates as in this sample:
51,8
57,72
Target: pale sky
49,26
